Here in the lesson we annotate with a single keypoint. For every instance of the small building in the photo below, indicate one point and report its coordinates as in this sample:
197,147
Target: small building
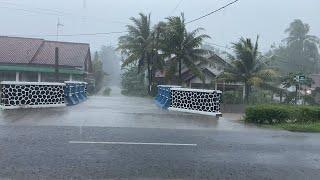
34,60
210,72
316,81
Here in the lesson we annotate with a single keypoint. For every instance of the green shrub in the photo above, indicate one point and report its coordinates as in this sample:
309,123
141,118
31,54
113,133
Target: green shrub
232,97
133,83
107,91
275,113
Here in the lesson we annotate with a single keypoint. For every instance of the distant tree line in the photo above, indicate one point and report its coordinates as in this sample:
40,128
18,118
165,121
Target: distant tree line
167,45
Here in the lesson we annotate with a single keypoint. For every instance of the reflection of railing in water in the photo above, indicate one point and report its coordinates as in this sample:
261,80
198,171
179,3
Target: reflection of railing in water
189,100
16,95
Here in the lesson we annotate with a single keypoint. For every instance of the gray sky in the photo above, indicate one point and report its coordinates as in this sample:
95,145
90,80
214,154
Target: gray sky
268,18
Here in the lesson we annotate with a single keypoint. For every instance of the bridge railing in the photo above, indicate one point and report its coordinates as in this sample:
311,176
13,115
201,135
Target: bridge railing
15,95
75,92
163,98
31,94
198,101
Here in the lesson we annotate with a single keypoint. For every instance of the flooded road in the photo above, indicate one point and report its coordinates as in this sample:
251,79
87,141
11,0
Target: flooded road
118,111
131,138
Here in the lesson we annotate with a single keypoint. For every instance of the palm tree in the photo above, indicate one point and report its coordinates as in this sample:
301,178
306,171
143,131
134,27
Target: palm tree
182,47
303,45
247,66
136,45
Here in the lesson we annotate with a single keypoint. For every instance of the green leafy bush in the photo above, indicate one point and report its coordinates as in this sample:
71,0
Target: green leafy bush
232,97
107,91
133,83
275,113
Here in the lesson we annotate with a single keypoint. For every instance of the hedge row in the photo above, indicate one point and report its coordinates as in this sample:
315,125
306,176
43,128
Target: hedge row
275,113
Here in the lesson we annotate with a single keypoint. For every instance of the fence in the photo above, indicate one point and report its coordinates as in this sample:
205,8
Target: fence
75,92
163,98
15,95
198,101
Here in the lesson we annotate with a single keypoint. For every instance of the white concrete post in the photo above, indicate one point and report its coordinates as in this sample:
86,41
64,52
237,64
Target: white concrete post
17,76
39,76
70,77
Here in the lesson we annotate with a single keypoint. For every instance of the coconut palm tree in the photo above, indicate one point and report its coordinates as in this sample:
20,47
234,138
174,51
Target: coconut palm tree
138,45
247,66
304,47
182,47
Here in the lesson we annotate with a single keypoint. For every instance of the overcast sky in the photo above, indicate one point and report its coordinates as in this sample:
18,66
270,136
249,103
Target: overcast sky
248,18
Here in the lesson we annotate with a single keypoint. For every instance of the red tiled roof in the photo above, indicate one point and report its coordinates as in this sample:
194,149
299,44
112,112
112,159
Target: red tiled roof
39,51
18,50
70,54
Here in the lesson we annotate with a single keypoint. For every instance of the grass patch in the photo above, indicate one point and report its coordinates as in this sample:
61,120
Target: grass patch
296,127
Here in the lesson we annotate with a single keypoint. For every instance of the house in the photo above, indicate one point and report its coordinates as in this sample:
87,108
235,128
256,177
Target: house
316,81
34,60
210,72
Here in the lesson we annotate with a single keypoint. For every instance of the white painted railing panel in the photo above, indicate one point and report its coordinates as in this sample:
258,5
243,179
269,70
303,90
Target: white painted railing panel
16,95
196,101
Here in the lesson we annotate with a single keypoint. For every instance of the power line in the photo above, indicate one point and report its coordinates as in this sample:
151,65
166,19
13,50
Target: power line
218,45
41,9
81,34
175,8
31,11
223,7
51,12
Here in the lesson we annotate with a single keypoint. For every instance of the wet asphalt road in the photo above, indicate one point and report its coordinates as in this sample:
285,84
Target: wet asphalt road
35,144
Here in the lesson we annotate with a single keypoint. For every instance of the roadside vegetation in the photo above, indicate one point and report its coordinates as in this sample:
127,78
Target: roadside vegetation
289,117
107,91
280,79
163,46
98,73
297,127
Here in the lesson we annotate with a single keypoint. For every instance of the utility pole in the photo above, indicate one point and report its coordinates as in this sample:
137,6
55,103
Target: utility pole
56,64
58,25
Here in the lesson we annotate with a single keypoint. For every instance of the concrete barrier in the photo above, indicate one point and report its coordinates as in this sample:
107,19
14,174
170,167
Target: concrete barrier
198,101
75,92
163,98
15,95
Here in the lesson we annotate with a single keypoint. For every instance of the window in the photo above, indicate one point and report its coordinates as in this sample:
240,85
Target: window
28,76
47,77
7,76
77,77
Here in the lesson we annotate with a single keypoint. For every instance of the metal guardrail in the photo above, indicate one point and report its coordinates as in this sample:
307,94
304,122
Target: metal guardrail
163,98
75,92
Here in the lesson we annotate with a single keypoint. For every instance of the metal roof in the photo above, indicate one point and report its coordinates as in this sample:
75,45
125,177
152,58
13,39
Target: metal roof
18,50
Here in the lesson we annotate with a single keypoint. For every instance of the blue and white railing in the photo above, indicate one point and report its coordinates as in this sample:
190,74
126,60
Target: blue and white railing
163,98
75,92
197,101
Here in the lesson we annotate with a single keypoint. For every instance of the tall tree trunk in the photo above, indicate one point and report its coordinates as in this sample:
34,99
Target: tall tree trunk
180,72
149,77
247,92
297,91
